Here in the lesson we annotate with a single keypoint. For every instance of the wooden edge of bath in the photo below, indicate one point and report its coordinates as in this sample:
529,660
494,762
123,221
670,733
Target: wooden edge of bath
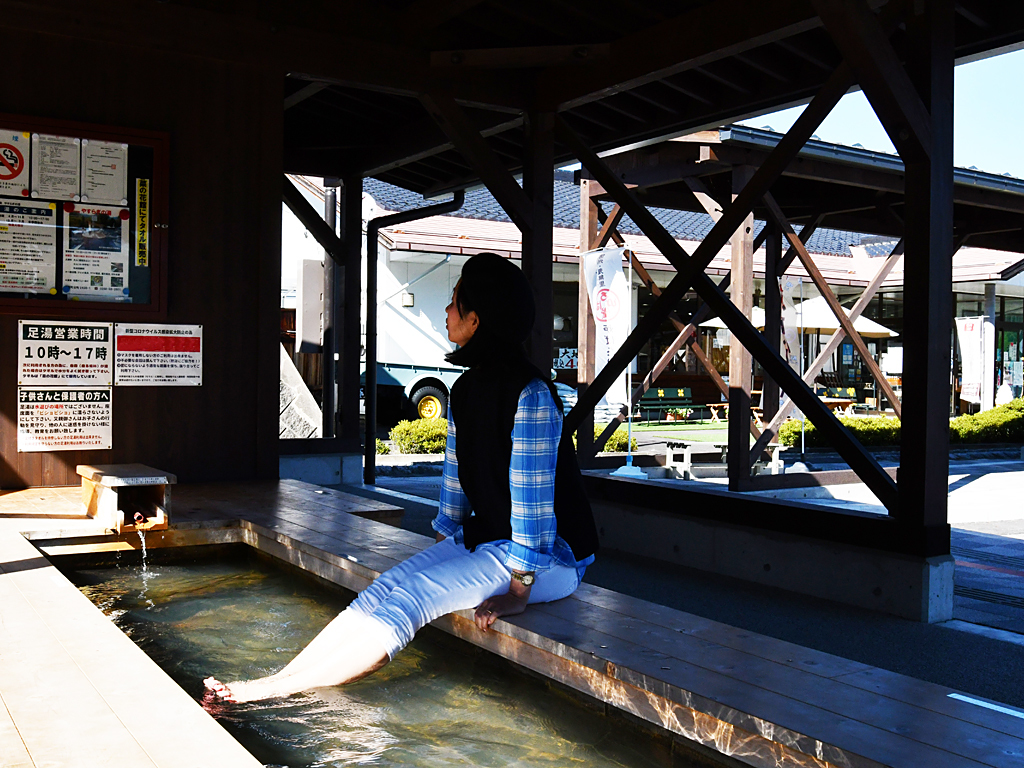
671,669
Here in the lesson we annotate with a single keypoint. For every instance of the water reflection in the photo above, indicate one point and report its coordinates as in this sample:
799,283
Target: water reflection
440,702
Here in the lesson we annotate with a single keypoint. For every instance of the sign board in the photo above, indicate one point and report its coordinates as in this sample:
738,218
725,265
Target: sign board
64,419
974,334
65,353
14,156
28,245
158,355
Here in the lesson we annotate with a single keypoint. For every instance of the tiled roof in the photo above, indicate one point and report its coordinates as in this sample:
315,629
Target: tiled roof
682,225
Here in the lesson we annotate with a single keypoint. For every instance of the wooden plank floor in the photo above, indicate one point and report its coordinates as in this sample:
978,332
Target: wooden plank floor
760,700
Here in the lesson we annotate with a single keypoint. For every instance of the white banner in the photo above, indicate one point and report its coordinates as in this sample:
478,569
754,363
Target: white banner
790,323
971,333
611,304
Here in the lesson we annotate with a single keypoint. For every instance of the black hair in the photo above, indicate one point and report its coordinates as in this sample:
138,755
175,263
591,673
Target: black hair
500,295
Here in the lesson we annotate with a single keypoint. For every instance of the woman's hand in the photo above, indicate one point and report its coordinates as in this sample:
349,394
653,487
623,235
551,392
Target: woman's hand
512,602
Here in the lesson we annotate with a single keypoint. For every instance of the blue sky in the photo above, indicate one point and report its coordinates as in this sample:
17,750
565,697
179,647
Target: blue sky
988,127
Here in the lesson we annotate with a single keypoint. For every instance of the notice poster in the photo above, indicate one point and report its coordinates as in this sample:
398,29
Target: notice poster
96,243
14,156
28,246
158,355
104,172
56,167
142,222
64,353
610,304
64,419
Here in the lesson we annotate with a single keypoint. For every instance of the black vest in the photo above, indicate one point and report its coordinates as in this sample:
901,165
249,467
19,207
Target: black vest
484,404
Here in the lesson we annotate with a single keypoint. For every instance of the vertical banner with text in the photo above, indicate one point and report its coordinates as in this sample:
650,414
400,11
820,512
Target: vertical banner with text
610,302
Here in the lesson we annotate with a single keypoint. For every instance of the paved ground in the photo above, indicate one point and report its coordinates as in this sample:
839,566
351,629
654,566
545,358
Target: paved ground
981,651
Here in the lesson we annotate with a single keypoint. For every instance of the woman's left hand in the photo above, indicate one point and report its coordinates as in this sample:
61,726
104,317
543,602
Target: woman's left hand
490,609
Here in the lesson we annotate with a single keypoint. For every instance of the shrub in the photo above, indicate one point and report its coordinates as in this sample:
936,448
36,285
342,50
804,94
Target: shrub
382,448
616,441
420,436
1002,424
869,430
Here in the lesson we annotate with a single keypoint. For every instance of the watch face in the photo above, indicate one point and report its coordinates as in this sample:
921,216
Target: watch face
526,579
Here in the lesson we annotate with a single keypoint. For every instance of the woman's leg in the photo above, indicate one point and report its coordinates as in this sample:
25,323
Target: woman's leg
357,639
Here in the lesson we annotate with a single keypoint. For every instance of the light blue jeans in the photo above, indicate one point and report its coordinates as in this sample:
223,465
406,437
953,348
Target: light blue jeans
443,578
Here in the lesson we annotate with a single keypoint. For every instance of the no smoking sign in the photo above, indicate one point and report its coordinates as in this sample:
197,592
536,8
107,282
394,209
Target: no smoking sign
13,164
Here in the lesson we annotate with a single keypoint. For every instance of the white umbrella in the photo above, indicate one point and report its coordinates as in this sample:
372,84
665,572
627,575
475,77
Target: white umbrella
815,315
757,318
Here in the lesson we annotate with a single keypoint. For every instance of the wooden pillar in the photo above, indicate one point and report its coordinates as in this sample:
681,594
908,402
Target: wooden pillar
539,185
585,328
927,295
772,314
332,315
741,293
349,330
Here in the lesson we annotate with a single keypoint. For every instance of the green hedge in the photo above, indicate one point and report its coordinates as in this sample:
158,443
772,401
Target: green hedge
420,436
1002,424
616,441
382,448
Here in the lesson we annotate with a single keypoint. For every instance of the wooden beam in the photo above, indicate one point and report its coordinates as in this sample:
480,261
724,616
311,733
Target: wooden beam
833,303
303,93
858,35
741,295
519,58
538,245
608,228
772,428
586,330
349,331
691,273
772,314
927,270
478,153
655,53
313,221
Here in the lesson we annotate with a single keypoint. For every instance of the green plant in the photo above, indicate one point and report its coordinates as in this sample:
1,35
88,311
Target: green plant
382,448
1002,424
420,436
680,413
616,441
869,430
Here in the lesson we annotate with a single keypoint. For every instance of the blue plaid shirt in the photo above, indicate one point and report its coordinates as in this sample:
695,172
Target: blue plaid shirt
535,545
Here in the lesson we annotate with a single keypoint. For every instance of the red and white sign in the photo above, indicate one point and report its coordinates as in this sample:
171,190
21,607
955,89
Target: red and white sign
158,355
14,153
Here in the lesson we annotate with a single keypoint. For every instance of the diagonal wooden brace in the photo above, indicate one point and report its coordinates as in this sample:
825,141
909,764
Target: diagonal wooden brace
830,298
772,429
691,273
478,153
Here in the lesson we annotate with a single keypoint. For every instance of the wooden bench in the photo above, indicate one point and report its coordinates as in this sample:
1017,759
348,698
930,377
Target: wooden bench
712,458
660,400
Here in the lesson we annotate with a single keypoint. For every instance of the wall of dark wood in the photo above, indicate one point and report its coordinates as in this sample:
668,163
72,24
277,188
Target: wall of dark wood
224,120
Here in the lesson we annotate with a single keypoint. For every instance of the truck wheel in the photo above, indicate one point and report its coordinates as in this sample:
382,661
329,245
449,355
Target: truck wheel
430,403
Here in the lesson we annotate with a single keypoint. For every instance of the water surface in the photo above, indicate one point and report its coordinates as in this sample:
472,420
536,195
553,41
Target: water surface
441,702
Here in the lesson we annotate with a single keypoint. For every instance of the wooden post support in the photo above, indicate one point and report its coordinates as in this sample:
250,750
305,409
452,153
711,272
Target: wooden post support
585,329
924,464
349,330
539,185
741,293
772,314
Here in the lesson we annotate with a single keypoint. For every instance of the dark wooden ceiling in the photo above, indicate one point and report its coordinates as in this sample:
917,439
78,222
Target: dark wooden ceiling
618,71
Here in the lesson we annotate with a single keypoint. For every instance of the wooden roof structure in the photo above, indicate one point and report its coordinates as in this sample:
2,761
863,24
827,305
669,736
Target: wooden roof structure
618,72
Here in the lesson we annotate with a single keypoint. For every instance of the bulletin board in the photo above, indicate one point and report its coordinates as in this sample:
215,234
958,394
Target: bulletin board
83,219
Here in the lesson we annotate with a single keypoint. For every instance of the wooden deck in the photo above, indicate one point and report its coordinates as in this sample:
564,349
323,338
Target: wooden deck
759,700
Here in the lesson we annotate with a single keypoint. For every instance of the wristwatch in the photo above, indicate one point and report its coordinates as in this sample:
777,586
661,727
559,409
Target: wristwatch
526,579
